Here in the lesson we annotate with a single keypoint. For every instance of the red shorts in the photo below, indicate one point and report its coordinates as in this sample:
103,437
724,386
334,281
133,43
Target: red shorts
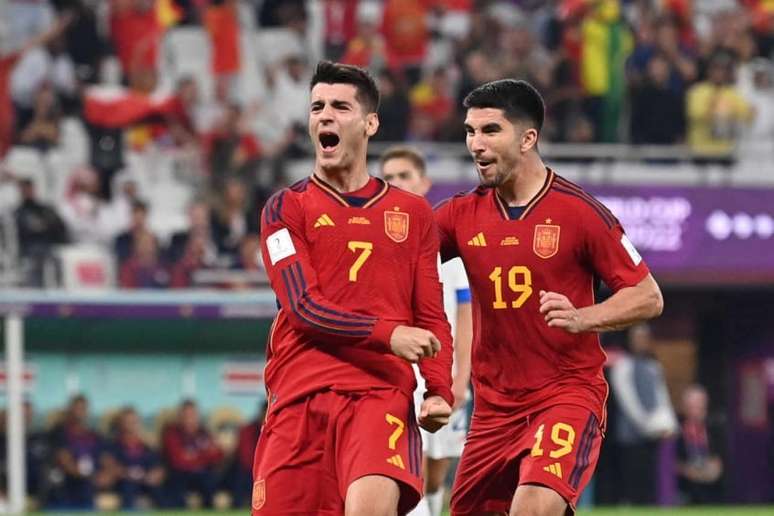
557,447
311,451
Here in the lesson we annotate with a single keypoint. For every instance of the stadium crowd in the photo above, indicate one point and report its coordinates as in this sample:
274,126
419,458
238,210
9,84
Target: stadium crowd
645,72
117,460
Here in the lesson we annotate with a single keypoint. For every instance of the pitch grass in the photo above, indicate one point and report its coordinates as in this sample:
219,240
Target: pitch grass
600,511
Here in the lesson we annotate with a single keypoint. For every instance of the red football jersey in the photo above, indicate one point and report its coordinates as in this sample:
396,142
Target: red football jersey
563,241
345,276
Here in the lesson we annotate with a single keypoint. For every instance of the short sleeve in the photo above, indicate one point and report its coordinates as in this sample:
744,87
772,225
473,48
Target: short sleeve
611,254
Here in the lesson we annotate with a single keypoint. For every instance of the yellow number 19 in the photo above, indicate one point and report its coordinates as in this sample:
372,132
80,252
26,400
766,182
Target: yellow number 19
354,245
523,287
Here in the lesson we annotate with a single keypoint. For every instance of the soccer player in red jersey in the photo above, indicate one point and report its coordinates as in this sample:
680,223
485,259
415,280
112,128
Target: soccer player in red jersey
534,246
354,265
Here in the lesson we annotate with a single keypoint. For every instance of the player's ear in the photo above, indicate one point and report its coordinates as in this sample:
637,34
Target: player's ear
529,139
426,184
372,124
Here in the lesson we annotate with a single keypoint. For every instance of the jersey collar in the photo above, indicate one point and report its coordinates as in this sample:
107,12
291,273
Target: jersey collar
332,192
502,206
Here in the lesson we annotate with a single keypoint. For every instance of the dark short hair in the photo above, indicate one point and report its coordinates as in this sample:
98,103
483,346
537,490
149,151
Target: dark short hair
405,152
518,99
367,94
138,205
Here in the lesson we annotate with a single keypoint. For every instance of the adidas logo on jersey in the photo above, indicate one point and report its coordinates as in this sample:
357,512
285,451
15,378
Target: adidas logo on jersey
395,460
478,241
324,220
555,469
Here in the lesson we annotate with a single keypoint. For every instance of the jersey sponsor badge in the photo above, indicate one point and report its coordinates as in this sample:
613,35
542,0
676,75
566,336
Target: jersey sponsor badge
396,225
633,254
259,494
546,240
280,245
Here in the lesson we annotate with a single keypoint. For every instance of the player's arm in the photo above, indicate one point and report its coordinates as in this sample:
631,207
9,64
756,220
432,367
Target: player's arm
429,314
636,295
444,219
294,280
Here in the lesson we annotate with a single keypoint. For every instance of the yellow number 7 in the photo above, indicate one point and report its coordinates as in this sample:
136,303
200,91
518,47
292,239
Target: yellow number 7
393,439
354,245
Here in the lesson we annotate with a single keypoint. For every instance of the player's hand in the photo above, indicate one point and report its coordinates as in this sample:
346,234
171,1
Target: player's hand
434,413
414,344
560,313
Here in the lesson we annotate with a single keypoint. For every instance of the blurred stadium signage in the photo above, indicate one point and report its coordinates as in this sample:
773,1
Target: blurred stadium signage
691,235
29,376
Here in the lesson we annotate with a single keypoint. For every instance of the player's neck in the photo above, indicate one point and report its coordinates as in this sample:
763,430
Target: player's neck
526,182
345,179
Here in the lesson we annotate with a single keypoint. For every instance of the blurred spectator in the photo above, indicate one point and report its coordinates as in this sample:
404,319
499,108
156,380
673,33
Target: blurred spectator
367,49
136,468
44,65
406,36
135,33
288,87
82,208
8,62
699,466
394,109
431,98
78,459
222,24
606,43
193,258
340,18
192,457
243,472
41,131
523,58
250,254
199,227
118,213
125,242
39,228
143,268
183,113
282,13
83,41
231,150
680,63
716,113
645,416
658,111
759,136
230,222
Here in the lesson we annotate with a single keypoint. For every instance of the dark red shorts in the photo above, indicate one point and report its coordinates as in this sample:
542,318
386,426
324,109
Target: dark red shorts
557,447
311,451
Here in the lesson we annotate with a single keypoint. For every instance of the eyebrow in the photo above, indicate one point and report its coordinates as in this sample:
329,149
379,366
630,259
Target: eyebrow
492,126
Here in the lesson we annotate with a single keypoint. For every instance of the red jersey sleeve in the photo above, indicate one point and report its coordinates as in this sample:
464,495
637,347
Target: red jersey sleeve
445,221
611,254
286,257
429,314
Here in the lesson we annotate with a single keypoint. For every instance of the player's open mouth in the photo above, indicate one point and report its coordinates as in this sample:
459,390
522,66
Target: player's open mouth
484,163
329,141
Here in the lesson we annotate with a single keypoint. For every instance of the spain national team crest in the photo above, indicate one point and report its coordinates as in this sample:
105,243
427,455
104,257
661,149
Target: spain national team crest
259,494
546,241
396,225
